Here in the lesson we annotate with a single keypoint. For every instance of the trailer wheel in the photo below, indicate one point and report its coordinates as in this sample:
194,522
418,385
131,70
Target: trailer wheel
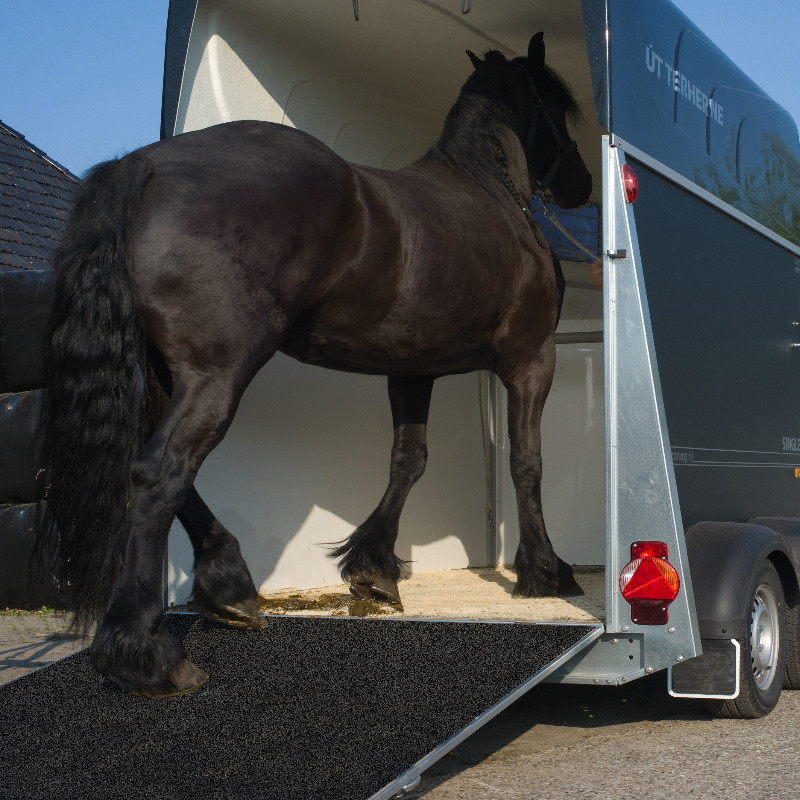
762,656
791,678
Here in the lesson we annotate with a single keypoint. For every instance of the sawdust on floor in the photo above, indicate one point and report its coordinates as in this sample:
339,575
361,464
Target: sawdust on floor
480,593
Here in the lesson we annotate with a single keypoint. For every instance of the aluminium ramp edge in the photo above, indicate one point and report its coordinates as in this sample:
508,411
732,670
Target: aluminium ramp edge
311,708
411,777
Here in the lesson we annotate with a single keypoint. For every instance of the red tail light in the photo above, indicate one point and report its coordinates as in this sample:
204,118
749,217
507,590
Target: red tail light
630,182
649,583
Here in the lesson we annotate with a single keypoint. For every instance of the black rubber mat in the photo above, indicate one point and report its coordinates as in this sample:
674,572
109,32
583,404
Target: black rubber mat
308,709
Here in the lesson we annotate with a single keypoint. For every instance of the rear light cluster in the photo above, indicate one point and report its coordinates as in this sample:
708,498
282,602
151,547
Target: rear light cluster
630,182
649,583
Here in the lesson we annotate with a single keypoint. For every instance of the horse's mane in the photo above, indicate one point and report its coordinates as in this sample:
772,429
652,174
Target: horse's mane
492,82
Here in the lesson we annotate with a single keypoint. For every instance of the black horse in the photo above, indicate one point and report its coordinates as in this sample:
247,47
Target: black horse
187,264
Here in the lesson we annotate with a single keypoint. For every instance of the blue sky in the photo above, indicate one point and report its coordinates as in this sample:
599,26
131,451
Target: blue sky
81,79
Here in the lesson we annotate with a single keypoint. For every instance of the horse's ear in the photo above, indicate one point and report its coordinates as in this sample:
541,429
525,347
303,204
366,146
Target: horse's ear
476,62
536,51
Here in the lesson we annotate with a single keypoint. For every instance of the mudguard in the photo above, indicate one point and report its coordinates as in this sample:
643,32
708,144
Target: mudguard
789,530
722,557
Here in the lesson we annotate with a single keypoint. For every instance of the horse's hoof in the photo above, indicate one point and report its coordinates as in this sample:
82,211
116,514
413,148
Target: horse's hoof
569,588
567,585
381,589
525,590
544,583
183,678
244,615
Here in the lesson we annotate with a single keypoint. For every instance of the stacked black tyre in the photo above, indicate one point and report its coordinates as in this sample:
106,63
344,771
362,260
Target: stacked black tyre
25,301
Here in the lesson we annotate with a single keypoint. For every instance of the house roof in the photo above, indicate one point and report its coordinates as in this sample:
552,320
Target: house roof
35,198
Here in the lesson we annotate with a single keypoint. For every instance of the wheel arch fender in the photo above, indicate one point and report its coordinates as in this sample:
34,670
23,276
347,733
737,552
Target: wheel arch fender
722,558
786,563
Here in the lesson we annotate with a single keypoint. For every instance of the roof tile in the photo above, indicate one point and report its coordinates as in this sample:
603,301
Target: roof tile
35,198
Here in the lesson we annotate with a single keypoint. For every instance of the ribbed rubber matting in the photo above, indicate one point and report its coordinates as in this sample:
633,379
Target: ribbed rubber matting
308,709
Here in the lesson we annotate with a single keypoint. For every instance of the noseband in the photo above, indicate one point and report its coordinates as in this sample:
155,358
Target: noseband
563,146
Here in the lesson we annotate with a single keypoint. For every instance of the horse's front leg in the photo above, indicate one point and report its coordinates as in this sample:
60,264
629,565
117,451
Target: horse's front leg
540,572
367,557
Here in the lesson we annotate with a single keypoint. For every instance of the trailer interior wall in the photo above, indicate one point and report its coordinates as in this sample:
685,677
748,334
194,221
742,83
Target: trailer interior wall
306,459
573,482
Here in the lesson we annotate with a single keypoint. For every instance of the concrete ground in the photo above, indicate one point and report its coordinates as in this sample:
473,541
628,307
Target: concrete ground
32,640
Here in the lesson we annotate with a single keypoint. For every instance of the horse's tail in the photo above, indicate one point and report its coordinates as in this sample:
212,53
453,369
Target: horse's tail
97,410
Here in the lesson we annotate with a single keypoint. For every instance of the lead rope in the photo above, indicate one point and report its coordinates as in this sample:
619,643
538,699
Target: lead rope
552,218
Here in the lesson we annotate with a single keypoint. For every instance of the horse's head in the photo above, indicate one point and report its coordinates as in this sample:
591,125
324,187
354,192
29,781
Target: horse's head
541,103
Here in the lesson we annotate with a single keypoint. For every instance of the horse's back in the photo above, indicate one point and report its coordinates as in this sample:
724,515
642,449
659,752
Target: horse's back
246,213
237,143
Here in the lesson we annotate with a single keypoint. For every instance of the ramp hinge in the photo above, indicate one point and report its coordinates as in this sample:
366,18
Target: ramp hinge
616,253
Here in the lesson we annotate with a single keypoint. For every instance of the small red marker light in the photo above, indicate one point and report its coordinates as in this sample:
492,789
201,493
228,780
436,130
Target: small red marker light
630,183
649,583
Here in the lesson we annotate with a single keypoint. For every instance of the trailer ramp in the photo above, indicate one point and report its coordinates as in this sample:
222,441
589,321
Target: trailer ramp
310,708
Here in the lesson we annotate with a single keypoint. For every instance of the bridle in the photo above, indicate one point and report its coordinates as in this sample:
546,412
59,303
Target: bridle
563,145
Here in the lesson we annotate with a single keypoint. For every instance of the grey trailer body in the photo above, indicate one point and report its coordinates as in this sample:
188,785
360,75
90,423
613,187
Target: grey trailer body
715,230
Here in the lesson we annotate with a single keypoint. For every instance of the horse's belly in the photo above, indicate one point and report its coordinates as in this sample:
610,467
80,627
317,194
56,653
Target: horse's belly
380,352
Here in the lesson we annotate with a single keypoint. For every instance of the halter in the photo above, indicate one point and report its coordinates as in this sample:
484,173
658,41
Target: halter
564,146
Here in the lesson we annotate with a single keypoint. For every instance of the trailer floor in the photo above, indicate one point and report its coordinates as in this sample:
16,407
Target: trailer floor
309,708
476,594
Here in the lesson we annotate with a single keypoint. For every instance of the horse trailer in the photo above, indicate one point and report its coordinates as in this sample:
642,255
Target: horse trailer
676,428
671,458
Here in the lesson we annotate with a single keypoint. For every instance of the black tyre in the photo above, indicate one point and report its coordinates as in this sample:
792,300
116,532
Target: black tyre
762,656
791,678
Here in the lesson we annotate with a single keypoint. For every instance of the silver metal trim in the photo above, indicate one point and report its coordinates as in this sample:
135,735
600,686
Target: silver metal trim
487,405
381,618
671,175
412,774
642,498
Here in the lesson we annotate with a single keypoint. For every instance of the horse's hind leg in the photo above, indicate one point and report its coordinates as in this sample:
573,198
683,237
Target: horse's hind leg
223,587
131,646
540,573
367,557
